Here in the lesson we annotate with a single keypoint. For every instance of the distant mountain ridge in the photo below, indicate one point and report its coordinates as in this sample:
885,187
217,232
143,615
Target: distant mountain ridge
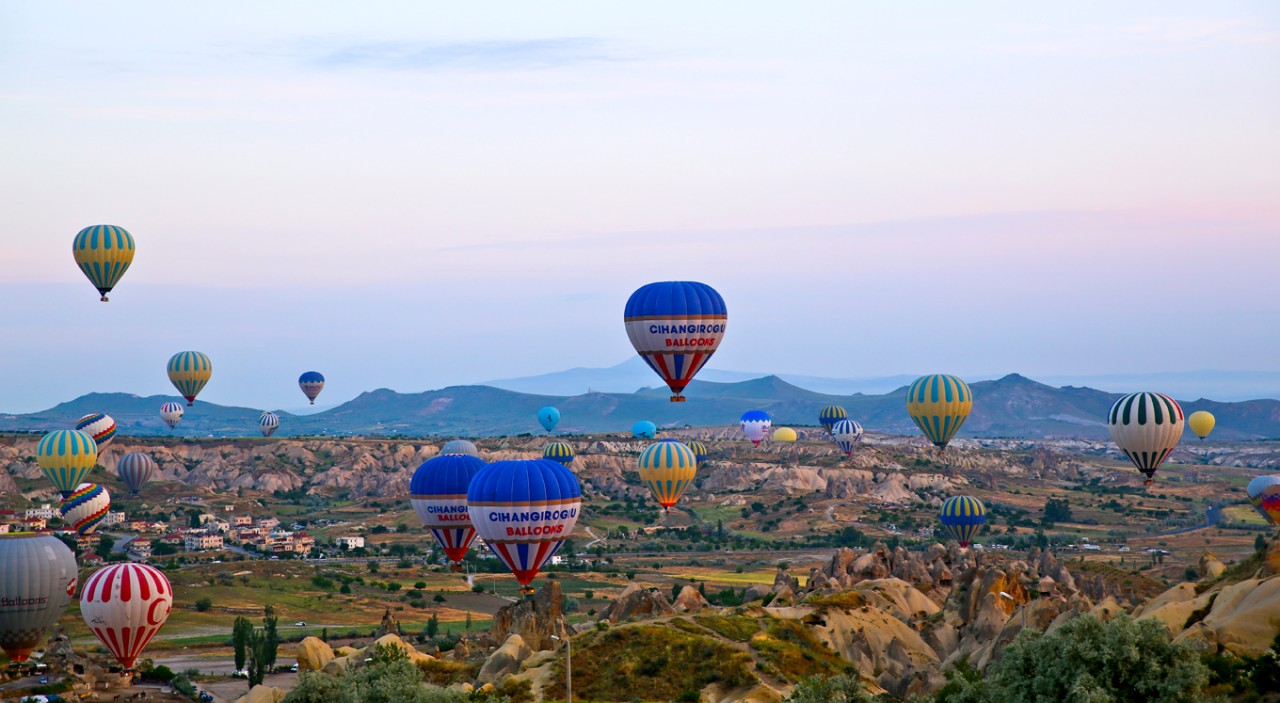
1012,406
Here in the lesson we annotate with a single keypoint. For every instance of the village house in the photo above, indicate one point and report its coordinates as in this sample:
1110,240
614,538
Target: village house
46,511
350,542
140,548
241,520
201,541
113,518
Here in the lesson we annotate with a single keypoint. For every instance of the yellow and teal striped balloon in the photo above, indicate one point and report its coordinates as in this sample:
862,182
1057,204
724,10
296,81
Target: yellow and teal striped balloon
66,457
559,452
188,372
667,468
963,516
103,253
939,404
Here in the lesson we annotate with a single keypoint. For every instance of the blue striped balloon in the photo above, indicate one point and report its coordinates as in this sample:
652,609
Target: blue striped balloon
188,372
438,493
136,469
268,423
962,517
847,434
66,457
103,253
559,452
676,326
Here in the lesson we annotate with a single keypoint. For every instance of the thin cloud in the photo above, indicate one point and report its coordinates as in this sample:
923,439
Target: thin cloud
492,55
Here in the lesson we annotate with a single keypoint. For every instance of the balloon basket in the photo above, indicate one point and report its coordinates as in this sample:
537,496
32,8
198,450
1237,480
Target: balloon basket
455,567
677,399
103,299
527,590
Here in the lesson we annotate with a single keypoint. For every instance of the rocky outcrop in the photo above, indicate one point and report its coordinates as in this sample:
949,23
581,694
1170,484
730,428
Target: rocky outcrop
636,601
1210,567
349,659
689,600
263,694
505,661
390,625
535,619
313,654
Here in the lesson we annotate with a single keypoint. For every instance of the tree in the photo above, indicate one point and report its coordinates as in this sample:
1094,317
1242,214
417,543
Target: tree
468,625
1057,510
433,626
835,689
373,566
193,519
438,598
203,604
257,657
271,637
241,631
1259,543
345,590
105,544
1120,661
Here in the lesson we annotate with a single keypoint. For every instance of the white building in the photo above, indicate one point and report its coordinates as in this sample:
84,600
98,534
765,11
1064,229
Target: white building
352,542
46,511
200,541
113,518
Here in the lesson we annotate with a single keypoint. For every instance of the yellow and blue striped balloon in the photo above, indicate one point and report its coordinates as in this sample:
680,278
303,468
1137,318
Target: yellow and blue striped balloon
830,415
939,404
559,452
66,457
963,516
668,468
188,372
700,450
103,253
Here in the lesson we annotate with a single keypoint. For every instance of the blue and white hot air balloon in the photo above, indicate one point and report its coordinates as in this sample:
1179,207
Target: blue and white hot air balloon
548,417
460,446
268,422
524,511
847,434
756,425
438,493
676,326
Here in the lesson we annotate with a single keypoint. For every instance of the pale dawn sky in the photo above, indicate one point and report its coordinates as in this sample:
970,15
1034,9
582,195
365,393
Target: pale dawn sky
413,195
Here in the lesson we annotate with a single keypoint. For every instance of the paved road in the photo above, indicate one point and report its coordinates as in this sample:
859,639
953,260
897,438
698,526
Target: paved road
1212,517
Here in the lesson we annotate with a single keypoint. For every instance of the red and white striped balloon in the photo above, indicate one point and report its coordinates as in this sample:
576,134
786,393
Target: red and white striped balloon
126,605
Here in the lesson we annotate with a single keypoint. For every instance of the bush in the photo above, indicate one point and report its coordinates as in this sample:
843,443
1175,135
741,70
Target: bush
203,605
841,688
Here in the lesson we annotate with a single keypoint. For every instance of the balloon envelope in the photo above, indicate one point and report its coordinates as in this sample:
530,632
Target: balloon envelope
939,405
126,605
1146,427
37,580
962,517
756,425
86,508
524,510
66,457
1264,495
103,253
667,468
460,446
188,372
846,434
700,450
785,434
268,423
438,493
643,429
830,415
136,469
548,417
171,413
676,326
100,426
1201,423
311,384
559,452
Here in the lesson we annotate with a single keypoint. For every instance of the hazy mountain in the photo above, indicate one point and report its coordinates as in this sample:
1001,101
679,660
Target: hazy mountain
633,374
1013,406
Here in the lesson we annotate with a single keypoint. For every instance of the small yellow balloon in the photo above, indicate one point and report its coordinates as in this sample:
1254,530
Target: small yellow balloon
784,434
1201,423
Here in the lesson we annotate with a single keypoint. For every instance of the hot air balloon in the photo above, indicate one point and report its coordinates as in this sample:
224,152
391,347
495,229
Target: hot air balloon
126,605
37,581
785,434
1146,427
103,253
699,450
171,413
438,493
188,372
643,429
962,516
676,326
667,468
847,434
1201,423
548,417
136,469
830,415
311,384
524,511
559,452
66,457
756,425
460,446
100,426
939,404
1264,494
85,509
268,422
